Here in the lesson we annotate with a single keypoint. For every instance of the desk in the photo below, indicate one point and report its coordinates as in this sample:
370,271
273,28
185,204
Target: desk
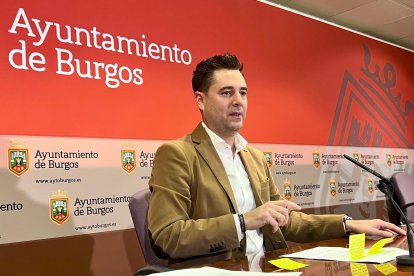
317,267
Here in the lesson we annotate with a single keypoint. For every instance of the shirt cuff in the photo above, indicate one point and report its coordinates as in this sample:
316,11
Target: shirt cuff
238,227
345,218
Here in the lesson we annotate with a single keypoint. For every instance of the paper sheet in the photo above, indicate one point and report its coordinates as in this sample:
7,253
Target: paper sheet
359,269
356,246
386,269
342,254
288,264
212,271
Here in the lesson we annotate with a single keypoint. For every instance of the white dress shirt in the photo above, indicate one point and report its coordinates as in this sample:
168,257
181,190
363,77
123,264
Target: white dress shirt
242,190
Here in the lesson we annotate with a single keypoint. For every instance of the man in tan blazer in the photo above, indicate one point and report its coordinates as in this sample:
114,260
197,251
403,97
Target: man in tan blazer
213,196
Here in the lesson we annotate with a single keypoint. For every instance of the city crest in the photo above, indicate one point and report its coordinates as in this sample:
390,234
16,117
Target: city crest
355,155
332,188
18,156
268,157
287,190
370,185
59,207
389,160
128,160
316,159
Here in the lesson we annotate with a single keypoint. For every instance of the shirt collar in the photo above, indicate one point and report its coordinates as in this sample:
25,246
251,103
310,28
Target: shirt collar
218,142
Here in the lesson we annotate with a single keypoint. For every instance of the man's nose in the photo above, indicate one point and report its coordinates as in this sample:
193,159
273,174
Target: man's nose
237,98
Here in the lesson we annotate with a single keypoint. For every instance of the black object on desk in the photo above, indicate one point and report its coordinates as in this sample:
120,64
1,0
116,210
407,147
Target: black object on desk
386,187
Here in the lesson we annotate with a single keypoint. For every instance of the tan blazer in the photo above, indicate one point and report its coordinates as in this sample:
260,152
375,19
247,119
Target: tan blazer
192,202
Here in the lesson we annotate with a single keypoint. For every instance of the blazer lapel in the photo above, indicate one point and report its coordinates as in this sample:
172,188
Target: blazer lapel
251,170
205,148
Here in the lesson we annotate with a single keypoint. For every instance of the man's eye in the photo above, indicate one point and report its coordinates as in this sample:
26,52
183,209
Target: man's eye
226,93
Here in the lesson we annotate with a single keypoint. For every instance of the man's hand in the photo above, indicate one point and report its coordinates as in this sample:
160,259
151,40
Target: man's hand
275,213
374,227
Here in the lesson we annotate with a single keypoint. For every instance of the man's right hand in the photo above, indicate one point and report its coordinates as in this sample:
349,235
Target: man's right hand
275,213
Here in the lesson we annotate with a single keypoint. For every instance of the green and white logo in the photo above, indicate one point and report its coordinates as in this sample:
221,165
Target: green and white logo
18,160
128,160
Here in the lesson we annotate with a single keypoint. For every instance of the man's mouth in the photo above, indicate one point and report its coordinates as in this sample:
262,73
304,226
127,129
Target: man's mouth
236,114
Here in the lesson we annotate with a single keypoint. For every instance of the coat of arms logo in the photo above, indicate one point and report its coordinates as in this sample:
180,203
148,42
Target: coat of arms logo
268,157
389,160
370,183
355,155
332,188
316,159
59,207
18,156
128,160
287,189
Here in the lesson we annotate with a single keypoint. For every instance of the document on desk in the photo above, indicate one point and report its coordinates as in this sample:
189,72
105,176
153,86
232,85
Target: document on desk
212,271
342,254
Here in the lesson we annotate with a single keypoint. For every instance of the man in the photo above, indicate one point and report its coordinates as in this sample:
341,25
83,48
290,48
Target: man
213,197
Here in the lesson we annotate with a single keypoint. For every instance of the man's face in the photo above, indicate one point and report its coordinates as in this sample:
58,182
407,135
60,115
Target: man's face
224,105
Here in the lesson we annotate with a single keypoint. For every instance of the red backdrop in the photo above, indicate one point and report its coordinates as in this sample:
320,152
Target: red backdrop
296,69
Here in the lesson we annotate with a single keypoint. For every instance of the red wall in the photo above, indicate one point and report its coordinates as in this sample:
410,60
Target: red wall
307,85
295,68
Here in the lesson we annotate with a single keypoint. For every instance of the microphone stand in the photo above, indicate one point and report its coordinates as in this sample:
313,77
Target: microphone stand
385,187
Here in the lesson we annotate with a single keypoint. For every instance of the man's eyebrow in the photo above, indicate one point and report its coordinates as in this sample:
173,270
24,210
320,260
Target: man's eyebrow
226,87
232,88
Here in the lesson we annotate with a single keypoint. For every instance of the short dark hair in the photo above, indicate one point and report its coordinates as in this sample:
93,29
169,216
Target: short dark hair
203,74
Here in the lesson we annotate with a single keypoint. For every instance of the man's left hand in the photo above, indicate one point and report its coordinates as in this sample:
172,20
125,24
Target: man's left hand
374,227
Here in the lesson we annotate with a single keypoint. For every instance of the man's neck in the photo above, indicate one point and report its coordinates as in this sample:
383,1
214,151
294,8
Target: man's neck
231,141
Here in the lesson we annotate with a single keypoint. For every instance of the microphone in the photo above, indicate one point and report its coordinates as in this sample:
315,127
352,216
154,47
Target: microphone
385,186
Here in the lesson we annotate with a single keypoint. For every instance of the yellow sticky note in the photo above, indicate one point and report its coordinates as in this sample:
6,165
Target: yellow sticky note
286,263
358,269
376,248
356,246
386,268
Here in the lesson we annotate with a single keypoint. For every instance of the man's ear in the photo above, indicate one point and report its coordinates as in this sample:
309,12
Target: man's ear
199,99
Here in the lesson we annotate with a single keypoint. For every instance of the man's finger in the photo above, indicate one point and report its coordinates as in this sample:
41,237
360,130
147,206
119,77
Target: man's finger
288,205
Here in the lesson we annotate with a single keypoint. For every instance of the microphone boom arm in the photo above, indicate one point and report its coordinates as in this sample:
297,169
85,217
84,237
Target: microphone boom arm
385,186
